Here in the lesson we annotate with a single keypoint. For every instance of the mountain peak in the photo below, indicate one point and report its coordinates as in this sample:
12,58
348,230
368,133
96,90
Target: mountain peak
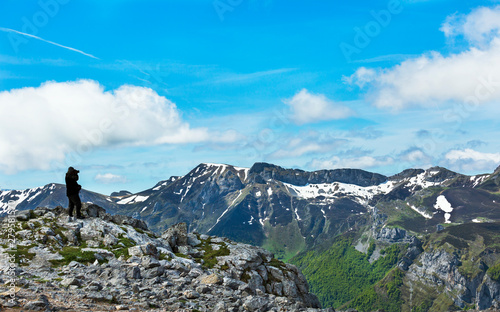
120,193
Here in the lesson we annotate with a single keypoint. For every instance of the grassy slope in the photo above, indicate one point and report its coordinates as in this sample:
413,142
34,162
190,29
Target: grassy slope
340,273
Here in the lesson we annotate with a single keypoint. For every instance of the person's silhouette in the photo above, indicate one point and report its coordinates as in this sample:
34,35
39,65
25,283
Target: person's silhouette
72,190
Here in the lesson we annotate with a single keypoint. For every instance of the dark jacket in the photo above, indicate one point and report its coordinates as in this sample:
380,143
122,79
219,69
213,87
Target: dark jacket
72,187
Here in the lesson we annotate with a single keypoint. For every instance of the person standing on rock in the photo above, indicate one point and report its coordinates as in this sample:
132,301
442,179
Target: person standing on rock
72,190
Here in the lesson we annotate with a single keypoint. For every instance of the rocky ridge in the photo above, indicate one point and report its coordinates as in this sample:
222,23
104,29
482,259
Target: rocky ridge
106,262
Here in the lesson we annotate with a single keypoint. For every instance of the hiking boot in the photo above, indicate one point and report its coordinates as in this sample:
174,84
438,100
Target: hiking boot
80,217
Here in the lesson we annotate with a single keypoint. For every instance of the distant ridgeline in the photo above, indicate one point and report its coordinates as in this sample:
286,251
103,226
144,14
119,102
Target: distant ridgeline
423,240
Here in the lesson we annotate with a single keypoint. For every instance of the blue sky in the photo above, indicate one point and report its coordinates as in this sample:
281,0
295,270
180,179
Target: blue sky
133,92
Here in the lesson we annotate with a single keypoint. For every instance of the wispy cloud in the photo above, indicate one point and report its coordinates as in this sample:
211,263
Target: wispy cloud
11,60
110,178
47,41
469,77
230,78
311,108
387,58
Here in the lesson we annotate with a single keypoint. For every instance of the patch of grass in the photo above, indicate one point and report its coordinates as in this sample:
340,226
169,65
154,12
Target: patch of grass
245,277
210,255
138,230
181,255
385,295
278,264
284,241
58,230
340,273
126,241
121,252
370,250
74,254
494,272
21,254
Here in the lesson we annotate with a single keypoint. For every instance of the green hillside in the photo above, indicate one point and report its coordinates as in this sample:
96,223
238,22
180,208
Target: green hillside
340,273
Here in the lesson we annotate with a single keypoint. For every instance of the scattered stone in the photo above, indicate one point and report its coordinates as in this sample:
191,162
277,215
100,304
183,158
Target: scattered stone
191,294
110,240
255,304
211,279
70,281
23,215
41,304
176,236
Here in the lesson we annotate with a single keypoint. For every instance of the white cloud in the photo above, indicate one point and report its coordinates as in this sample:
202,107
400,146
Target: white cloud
310,143
469,160
479,27
471,77
41,126
109,178
362,162
310,108
416,157
456,155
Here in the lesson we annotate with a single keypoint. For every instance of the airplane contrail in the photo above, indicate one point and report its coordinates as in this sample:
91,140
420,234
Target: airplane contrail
48,41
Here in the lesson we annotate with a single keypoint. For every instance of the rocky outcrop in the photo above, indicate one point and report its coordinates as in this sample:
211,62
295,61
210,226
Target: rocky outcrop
440,269
106,262
261,172
392,235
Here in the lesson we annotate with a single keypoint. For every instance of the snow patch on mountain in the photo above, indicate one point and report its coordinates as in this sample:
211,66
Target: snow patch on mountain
243,171
477,180
422,213
443,204
420,180
133,199
10,199
337,189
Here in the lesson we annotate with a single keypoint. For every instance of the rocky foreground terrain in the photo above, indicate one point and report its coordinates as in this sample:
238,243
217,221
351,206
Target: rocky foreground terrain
108,263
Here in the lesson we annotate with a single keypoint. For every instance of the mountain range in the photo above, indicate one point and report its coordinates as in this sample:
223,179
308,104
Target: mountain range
308,218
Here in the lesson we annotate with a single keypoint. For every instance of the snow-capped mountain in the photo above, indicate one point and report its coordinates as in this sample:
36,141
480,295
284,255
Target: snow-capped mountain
440,227
289,208
50,195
